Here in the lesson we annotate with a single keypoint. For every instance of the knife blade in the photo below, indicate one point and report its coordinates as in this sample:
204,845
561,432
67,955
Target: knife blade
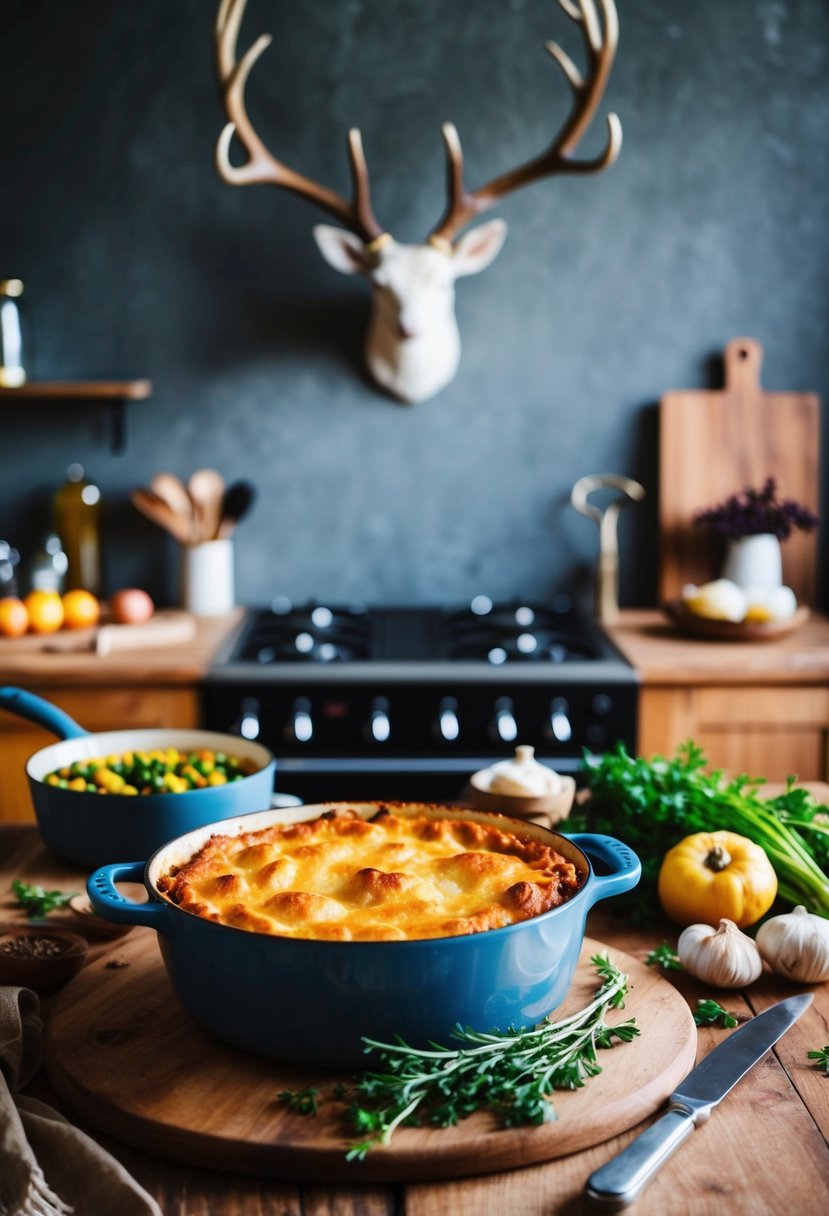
617,1183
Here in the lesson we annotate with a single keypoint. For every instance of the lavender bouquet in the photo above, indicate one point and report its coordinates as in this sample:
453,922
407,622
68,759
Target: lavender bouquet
757,511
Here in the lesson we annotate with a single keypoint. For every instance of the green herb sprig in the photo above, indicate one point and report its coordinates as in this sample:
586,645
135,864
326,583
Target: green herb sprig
511,1072
652,804
303,1101
822,1058
664,956
711,1013
37,902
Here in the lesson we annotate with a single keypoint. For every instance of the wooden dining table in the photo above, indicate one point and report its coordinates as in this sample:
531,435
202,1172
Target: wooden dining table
764,1150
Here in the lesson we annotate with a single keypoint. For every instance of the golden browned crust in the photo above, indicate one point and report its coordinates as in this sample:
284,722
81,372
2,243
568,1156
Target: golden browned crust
392,878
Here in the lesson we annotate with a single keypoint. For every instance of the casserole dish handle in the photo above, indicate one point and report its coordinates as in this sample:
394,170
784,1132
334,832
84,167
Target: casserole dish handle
621,865
43,713
112,905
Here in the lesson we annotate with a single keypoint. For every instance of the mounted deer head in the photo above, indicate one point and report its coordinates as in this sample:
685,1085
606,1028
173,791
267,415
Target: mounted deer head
413,345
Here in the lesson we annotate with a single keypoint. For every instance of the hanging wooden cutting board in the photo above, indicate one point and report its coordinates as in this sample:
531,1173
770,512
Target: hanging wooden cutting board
717,442
123,1055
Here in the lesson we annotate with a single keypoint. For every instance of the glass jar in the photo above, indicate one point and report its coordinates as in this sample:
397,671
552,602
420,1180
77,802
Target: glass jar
9,557
77,521
47,569
13,334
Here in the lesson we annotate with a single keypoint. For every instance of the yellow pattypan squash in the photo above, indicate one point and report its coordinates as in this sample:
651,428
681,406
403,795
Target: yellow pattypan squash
712,875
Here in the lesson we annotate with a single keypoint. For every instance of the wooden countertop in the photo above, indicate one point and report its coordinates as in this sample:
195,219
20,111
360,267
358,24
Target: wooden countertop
34,661
662,654
649,640
764,1151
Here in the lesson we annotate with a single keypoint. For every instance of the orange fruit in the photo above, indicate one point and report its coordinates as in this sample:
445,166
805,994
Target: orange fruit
14,617
45,610
81,609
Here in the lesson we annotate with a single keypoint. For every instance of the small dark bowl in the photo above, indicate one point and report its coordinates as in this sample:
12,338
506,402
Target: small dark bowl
46,974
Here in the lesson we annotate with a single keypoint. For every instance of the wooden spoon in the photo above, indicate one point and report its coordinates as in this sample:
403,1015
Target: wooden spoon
174,493
207,489
160,512
237,501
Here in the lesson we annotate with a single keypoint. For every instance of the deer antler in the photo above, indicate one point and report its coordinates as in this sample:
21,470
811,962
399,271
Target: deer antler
262,166
464,205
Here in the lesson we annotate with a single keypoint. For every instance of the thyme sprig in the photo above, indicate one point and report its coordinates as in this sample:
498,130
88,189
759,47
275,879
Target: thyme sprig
511,1072
664,956
822,1058
302,1101
711,1013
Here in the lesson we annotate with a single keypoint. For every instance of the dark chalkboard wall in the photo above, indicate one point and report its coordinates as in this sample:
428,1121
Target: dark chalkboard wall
138,261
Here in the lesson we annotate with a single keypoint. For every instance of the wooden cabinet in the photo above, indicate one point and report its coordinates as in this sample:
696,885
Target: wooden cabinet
94,708
772,732
760,708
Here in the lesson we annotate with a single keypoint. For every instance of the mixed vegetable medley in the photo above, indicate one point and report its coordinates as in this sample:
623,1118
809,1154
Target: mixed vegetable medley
167,771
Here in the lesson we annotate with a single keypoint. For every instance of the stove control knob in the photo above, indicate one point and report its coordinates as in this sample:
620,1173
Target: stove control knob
248,721
447,725
379,724
561,727
504,725
301,726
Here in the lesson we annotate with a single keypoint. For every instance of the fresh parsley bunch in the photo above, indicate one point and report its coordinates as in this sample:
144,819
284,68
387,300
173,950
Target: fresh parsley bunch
653,804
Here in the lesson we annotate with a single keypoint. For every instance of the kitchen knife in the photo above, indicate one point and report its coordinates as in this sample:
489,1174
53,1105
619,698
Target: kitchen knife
616,1184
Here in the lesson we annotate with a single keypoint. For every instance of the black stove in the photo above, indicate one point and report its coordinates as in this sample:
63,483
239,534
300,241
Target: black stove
396,702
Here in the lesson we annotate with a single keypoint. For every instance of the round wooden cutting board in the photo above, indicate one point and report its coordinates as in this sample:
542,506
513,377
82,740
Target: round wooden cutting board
125,1056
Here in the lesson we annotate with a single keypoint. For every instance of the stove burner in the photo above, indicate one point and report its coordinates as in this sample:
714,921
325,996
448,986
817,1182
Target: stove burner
314,634
542,646
519,633
499,635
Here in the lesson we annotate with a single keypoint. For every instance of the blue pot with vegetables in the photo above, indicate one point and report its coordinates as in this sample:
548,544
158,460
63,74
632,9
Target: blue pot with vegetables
104,796
299,934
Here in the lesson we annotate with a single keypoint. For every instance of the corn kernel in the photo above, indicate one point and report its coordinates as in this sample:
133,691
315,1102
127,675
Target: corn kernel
105,779
217,779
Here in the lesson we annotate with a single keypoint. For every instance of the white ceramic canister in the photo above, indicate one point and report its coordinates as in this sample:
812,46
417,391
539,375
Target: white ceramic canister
207,582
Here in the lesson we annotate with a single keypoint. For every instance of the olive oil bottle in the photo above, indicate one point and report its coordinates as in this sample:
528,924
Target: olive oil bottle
77,522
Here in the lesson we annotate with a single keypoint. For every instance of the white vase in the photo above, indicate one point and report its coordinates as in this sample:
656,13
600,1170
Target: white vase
754,561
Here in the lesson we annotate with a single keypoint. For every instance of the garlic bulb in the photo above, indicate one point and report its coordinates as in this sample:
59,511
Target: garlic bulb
724,957
521,777
796,945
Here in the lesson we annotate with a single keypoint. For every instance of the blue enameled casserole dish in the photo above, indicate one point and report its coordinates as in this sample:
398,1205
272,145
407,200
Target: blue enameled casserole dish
312,1002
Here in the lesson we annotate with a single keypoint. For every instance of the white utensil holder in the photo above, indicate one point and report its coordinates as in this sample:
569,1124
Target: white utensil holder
207,582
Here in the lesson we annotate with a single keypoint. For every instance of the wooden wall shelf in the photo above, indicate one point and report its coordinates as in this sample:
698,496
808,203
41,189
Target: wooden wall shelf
110,393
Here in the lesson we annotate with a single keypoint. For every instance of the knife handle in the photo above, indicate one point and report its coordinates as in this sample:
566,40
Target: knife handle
617,1183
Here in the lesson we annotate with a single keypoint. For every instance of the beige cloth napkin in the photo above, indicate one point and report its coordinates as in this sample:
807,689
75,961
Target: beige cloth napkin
47,1166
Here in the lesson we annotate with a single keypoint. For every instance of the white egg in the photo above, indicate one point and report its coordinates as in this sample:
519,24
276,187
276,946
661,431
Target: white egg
782,603
720,600
757,604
